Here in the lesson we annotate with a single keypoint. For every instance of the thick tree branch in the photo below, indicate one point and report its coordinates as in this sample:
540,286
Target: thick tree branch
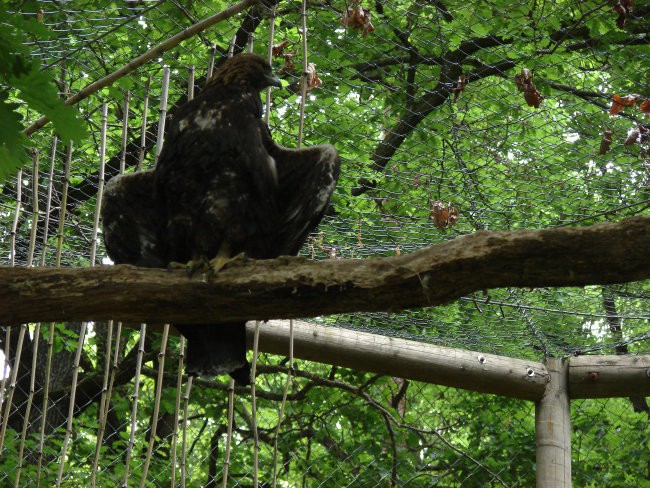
451,65
147,56
592,97
452,68
290,287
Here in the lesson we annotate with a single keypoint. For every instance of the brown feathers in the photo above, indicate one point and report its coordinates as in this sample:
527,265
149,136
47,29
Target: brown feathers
247,71
221,187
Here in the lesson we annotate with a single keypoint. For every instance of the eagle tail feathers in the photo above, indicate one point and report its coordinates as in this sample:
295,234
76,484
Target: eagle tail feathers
214,349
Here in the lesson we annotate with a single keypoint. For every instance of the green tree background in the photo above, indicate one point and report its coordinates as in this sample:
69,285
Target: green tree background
423,108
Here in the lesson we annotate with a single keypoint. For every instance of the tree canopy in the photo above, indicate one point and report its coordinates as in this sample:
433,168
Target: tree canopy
450,118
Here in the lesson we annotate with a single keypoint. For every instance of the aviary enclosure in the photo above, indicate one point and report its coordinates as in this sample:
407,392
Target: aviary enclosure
492,359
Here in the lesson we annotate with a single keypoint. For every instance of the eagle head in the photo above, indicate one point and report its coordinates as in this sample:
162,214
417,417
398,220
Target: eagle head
246,71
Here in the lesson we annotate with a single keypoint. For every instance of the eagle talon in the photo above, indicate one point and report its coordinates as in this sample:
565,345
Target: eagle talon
191,267
220,262
174,265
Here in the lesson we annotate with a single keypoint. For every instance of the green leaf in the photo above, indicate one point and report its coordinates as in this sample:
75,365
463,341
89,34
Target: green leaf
40,93
12,140
34,86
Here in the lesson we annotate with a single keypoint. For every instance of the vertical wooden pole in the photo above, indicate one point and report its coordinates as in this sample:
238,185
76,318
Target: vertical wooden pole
48,206
553,429
163,111
35,210
100,184
143,127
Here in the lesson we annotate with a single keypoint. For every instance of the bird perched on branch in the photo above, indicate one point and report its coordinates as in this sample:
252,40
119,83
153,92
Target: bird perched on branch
221,188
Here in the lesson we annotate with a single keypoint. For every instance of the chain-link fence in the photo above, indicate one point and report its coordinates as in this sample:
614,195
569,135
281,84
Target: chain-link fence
450,118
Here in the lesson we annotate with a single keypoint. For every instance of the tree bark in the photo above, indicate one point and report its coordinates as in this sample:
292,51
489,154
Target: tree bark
553,430
292,287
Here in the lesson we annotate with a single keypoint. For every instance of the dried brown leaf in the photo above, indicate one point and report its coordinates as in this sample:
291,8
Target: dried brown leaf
533,97
289,65
619,102
311,77
278,49
632,136
644,106
357,17
523,79
623,9
460,86
606,141
443,216
524,82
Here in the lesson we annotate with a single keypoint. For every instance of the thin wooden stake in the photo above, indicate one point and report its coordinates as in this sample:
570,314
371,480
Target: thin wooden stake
30,400
73,394
116,360
12,383
156,404
231,47
303,81
125,130
213,52
106,399
163,111
64,204
35,211
5,367
256,439
143,127
177,407
100,188
186,406
282,406
14,227
104,402
48,205
44,405
190,84
267,109
231,417
134,408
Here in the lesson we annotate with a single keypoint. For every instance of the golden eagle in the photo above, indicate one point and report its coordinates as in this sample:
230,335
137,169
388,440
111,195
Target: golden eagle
221,187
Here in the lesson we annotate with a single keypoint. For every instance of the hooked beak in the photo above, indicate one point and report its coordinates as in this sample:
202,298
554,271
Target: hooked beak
273,80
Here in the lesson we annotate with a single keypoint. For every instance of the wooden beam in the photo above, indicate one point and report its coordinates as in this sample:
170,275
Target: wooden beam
419,361
553,429
292,287
609,376
616,376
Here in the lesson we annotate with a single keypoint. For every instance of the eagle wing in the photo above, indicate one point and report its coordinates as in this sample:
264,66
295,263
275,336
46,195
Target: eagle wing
306,181
131,221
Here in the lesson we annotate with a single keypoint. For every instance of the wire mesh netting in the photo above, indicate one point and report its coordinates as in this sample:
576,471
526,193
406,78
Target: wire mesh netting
450,117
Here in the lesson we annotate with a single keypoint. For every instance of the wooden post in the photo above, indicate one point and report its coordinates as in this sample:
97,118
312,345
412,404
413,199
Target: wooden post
553,429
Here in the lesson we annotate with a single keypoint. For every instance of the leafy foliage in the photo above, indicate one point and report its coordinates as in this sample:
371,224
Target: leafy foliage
439,139
18,71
